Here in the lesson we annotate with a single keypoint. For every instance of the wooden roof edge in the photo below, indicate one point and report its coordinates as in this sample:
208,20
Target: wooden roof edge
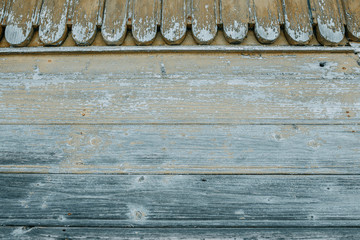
329,21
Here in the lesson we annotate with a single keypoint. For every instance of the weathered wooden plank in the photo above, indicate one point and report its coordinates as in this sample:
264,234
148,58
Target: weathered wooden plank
3,5
100,15
204,27
235,18
144,25
173,24
179,200
267,25
22,16
178,233
298,26
53,19
114,27
352,15
330,29
179,88
180,149
84,21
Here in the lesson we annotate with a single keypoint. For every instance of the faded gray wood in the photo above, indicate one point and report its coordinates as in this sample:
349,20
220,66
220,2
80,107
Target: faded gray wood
161,49
144,21
184,149
179,88
84,21
53,19
3,12
298,26
20,20
352,15
204,27
267,24
235,18
114,27
330,29
179,201
3,6
180,233
173,21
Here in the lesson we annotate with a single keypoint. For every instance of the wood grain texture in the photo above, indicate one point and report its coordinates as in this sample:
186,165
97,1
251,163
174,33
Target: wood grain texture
84,21
144,24
298,26
53,19
179,201
330,29
179,88
352,15
180,149
204,27
267,25
22,16
3,7
235,18
173,24
114,27
100,15
179,233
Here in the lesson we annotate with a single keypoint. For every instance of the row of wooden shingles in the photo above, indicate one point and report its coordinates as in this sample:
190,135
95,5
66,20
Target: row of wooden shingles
114,16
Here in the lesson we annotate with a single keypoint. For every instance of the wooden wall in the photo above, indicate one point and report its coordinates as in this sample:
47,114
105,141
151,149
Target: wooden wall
259,146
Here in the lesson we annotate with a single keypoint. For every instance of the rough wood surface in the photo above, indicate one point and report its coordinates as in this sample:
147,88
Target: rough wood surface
352,15
330,29
40,233
100,15
179,201
204,27
298,26
173,25
114,27
179,88
267,25
180,149
22,16
53,19
144,24
3,5
84,21
204,15
235,18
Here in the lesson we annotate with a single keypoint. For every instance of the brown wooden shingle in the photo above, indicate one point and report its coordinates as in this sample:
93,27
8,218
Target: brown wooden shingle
232,18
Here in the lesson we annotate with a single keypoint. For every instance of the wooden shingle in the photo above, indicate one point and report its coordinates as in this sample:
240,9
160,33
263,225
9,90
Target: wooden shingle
174,19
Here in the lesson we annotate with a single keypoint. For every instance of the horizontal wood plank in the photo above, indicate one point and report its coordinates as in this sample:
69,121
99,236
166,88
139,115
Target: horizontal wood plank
179,201
179,233
180,149
179,88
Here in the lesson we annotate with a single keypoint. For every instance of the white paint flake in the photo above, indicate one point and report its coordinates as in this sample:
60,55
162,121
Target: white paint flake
236,31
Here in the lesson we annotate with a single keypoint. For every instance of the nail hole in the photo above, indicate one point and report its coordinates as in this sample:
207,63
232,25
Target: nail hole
322,64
